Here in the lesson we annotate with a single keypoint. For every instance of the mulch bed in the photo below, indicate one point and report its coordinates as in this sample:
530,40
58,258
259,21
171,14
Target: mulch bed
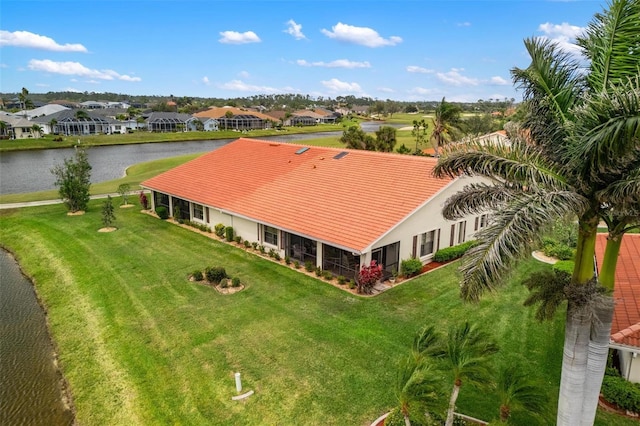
612,408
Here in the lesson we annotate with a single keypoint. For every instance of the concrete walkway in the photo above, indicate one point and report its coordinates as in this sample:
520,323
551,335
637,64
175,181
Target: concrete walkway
48,202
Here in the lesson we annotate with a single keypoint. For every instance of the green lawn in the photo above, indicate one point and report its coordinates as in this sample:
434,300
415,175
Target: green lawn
140,344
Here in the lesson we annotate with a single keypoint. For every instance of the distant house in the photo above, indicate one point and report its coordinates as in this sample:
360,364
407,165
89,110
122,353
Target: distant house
167,122
75,122
231,118
17,127
209,124
625,330
336,208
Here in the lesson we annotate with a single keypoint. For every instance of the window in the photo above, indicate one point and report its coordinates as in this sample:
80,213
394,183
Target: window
461,231
198,212
426,243
484,219
270,235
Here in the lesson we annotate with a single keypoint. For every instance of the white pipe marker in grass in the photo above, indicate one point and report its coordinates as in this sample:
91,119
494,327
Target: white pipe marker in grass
238,383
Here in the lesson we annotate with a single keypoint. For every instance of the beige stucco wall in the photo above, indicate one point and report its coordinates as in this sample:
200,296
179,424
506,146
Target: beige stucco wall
428,218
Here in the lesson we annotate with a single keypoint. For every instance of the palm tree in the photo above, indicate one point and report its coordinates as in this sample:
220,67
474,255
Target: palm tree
578,155
464,352
23,98
37,130
444,124
52,125
415,388
518,391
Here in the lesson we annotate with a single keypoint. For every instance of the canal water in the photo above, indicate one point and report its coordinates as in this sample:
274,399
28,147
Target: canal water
31,387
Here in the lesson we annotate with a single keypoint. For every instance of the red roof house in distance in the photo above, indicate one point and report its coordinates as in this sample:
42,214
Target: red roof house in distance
336,208
625,331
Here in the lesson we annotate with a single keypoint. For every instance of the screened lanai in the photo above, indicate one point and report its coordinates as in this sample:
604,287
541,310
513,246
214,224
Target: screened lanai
242,122
89,125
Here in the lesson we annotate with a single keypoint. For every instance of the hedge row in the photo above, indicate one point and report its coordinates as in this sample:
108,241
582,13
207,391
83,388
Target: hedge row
621,392
453,252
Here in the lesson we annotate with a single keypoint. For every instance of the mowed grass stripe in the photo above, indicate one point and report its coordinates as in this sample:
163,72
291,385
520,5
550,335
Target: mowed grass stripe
313,354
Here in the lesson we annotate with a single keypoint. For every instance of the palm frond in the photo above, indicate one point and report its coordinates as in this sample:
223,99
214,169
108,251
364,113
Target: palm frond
476,198
519,163
514,231
607,131
612,44
625,190
519,391
546,292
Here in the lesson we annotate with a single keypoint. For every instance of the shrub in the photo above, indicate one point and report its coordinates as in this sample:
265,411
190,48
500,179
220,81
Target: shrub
287,260
162,212
411,267
327,275
247,244
228,233
254,245
368,276
564,266
276,256
342,280
308,265
215,274
237,239
352,284
622,393
318,271
197,276
219,230
453,252
144,202
235,282
296,264
261,248
224,283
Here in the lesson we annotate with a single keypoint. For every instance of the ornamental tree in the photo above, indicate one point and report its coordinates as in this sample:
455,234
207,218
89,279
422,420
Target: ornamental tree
73,179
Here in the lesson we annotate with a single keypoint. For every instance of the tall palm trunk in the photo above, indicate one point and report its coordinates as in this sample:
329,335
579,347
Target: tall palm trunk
452,402
575,354
600,333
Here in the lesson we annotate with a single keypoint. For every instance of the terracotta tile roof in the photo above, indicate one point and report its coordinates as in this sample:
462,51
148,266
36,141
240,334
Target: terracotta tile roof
626,318
350,202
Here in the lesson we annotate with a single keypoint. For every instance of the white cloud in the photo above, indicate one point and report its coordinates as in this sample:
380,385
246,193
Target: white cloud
464,24
36,41
338,63
206,81
243,74
71,89
454,78
386,90
241,86
76,68
360,35
421,91
414,68
499,81
4,66
234,37
564,35
336,85
294,29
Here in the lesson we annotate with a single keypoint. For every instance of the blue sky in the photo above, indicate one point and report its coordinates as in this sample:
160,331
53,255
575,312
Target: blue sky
408,50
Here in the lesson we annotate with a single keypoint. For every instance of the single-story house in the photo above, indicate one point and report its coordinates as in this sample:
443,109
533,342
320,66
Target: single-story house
208,124
168,122
231,118
17,127
336,208
625,330
74,122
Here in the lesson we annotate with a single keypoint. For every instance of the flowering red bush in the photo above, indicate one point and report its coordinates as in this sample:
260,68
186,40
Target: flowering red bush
368,276
143,201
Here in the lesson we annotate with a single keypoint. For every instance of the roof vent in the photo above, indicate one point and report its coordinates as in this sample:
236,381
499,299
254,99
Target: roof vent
340,155
302,150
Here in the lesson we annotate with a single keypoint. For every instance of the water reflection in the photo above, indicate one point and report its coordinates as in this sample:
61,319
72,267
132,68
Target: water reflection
30,386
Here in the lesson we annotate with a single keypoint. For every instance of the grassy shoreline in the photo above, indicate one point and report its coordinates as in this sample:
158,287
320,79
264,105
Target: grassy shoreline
139,344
